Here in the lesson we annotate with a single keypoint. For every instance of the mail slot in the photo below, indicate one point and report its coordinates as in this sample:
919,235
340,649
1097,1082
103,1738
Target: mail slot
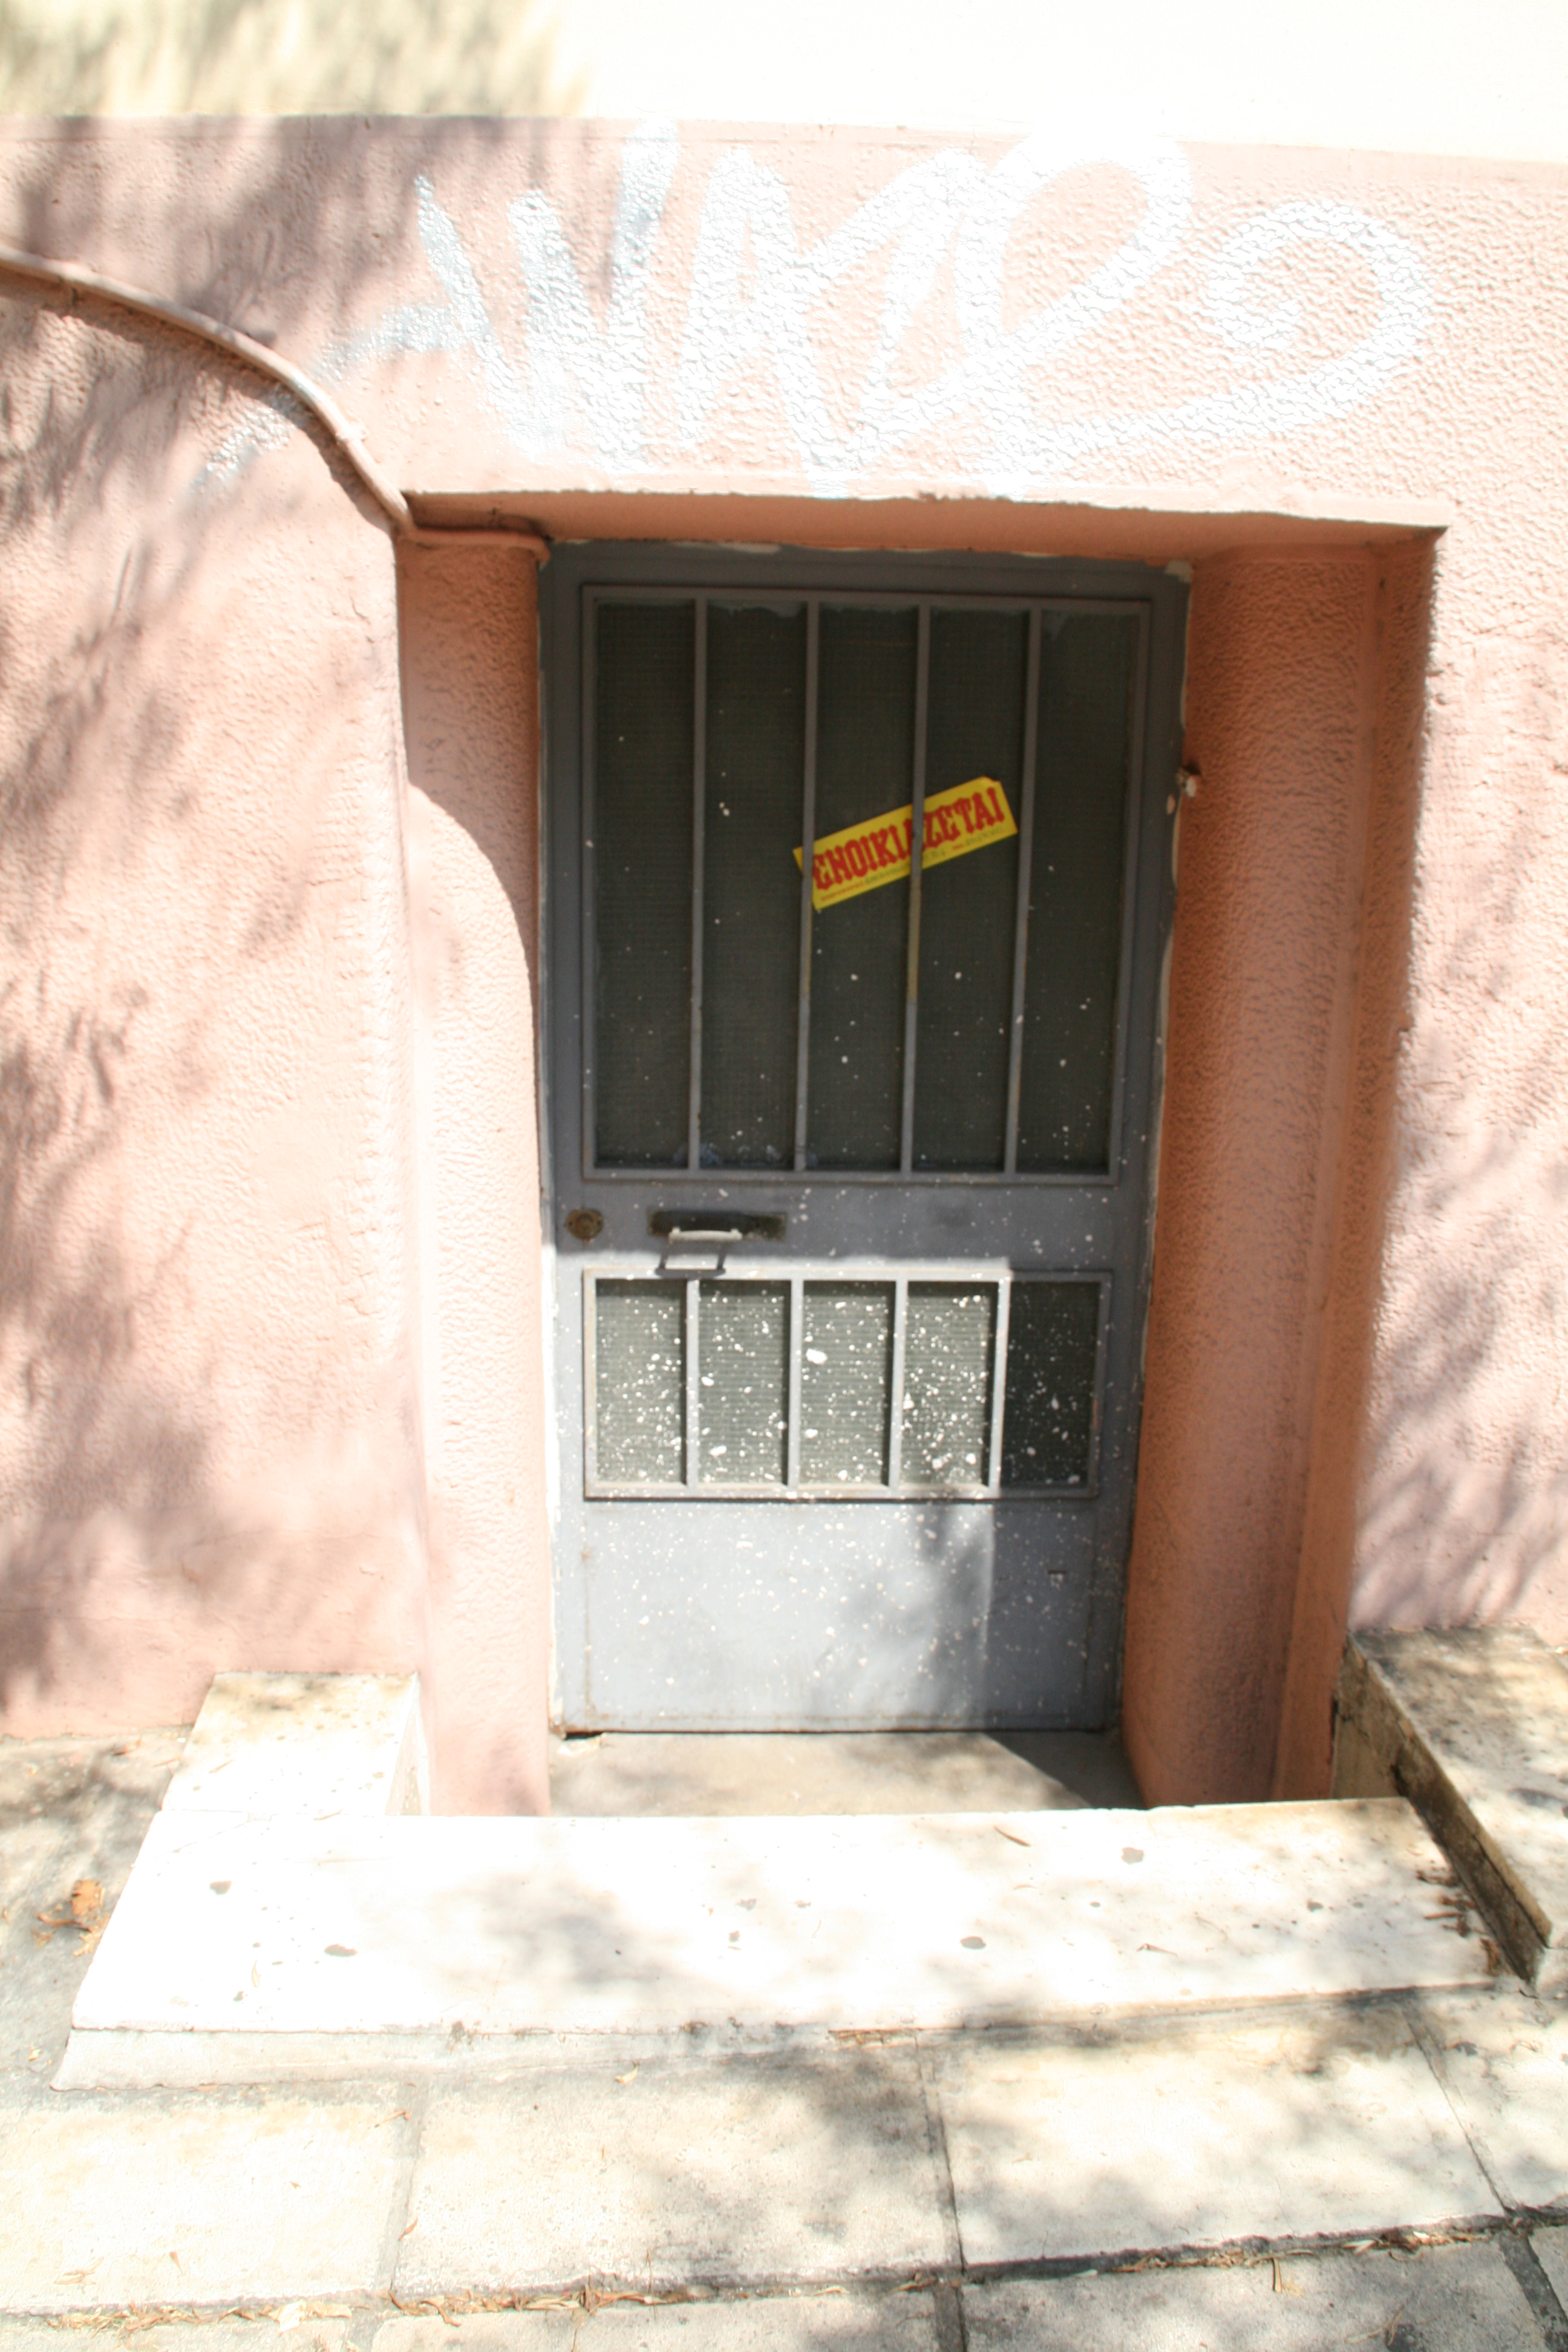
714,1225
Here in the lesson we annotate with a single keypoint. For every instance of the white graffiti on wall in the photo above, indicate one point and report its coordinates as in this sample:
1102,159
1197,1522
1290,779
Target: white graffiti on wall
579,389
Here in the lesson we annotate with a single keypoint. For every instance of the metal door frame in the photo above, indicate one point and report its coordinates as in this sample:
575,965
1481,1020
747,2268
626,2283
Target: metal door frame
652,572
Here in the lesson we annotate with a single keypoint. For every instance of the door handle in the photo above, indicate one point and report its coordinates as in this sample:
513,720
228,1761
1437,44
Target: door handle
714,1225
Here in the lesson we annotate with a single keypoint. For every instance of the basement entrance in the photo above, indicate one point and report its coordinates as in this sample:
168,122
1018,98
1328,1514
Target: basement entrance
857,883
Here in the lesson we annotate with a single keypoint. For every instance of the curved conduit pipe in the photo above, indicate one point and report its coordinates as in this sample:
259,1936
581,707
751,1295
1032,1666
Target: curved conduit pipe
346,438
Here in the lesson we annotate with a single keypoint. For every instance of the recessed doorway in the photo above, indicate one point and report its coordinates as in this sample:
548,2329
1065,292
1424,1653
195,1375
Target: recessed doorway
858,881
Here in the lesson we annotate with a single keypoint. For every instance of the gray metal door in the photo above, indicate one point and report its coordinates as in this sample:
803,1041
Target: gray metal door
849,1142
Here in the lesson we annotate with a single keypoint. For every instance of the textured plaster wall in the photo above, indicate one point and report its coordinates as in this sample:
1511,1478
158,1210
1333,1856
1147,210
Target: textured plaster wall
209,1448
470,628
1462,1509
1356,1191
1262,980
1355,1404
517,308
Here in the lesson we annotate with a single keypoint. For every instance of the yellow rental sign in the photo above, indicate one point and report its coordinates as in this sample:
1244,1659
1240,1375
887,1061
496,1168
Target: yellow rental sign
863,857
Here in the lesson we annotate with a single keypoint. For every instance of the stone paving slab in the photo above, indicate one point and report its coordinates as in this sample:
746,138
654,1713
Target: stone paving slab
69,1809
201,2200
824,2161
737,2170
1440,2298
1551,2251
835,2323
1473,1725
238,2332
61,1795
882,2320
1503,2060
1443,2299
27,1848
313,1745
1199,2133
365,1927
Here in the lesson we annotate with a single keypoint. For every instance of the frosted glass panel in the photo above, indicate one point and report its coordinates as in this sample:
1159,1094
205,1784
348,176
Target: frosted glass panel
948,1349
639,1365
846,1377
742,1354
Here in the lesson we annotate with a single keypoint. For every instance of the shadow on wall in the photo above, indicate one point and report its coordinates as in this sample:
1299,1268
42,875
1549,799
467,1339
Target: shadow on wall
281,57
1467,1491
93,1430
99,1432
467,621
208,1414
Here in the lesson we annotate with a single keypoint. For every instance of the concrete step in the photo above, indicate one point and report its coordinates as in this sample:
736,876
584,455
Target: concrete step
1472,1726
247,1949
308,1744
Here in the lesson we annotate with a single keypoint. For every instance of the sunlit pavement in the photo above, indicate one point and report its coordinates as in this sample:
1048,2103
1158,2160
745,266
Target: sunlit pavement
1374,2170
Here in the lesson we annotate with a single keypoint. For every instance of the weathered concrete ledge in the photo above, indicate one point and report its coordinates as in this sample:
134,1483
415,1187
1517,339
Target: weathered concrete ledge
1472,1728
240,1942
286,1917
314,1744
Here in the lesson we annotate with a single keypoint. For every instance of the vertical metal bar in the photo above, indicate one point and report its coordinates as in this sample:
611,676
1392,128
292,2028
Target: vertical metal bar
896,1383
999,1381
699,799
1026,869
807,845
1102,1349
917,853
1137,754
590,1382
589,1012
796,1342
693,1388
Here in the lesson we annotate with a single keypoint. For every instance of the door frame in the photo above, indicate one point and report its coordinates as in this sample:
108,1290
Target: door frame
1149,903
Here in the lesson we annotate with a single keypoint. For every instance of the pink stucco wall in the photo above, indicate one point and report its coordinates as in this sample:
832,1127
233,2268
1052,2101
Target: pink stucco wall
272,1297
210,1441
468,624
1262,982
1363,1130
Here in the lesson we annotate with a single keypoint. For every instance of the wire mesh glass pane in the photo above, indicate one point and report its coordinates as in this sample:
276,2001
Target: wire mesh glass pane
742,1354
1087,666
751,886
1047,1427
643,709
949,1343
864,769
639,1381
846,1379
968,904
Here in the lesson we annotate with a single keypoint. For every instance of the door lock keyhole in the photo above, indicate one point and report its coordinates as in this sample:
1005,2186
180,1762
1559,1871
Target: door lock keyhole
586,1224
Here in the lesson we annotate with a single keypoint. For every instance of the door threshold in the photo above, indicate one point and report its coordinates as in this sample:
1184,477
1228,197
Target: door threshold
708,1774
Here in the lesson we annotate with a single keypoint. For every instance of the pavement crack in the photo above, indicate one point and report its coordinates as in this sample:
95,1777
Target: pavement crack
936,2139
415,2098
1431,2048
1537,2289
950,2328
